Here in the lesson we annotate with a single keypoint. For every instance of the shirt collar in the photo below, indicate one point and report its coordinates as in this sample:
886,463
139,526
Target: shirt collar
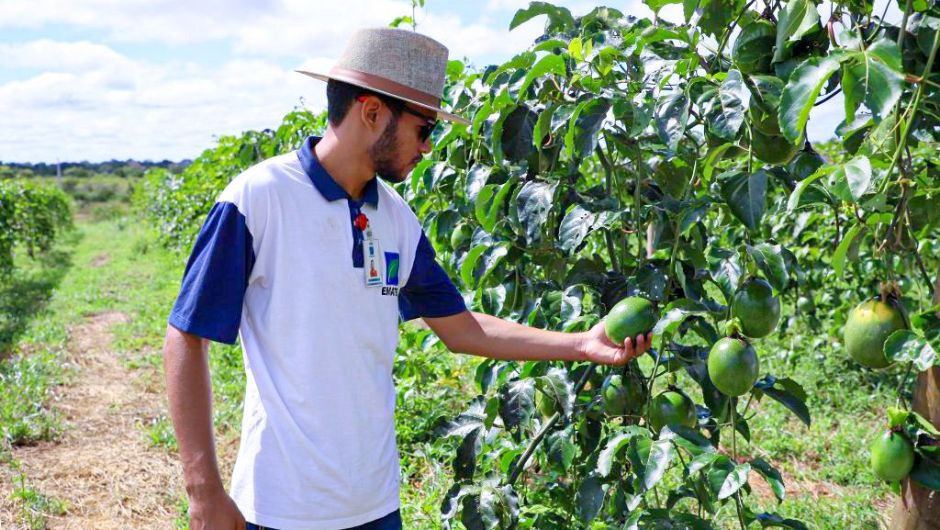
322,180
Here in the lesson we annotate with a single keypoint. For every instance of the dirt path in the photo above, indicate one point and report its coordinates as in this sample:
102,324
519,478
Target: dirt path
103,466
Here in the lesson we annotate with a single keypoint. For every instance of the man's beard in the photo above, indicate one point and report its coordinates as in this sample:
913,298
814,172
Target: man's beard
384,153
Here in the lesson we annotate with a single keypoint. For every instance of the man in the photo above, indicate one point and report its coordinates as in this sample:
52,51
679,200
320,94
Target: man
312,262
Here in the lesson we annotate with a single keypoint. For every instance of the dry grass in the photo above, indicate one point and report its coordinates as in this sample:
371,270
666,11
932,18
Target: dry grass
102,467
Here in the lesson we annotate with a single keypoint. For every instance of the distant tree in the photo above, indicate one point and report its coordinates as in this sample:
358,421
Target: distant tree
78,172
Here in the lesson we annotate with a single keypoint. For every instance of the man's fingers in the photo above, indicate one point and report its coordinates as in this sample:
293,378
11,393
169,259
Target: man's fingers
628,344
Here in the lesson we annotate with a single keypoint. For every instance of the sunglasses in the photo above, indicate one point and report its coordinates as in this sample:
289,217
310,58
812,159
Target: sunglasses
424,132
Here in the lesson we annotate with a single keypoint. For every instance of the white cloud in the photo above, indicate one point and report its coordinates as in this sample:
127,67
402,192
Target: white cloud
84,99
141,110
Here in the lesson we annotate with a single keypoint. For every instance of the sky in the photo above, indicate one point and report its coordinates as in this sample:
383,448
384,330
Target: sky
162,79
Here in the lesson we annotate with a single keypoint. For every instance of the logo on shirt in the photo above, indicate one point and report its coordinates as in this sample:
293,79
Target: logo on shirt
391,268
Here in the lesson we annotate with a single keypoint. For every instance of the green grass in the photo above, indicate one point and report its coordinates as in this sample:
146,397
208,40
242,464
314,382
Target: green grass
34,506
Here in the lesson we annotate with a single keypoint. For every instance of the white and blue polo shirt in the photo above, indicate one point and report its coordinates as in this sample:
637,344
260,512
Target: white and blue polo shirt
279,263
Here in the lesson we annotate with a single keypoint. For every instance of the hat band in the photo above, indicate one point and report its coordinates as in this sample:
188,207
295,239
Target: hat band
385,85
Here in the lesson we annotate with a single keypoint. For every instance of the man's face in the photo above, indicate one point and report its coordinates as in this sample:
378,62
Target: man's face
400,147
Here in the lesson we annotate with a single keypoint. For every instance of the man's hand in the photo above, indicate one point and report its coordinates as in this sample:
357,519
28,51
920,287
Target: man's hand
216,512
599,349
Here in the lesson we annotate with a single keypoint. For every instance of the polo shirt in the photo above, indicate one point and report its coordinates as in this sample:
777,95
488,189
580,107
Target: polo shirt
280,264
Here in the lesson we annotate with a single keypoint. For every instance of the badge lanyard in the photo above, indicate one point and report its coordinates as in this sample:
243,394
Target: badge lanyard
371,253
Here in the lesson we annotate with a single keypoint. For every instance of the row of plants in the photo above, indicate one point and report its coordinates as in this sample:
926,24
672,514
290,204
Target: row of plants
663,163
31,218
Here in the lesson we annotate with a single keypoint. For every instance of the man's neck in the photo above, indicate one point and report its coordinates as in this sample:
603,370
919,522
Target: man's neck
348,167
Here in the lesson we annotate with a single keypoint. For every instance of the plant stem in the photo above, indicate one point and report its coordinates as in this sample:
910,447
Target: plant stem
520,465
724,38
641,255
608,178
732,405
907,13
901,399
913,110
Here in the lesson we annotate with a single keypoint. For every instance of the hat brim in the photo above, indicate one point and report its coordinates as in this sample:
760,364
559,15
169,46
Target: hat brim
441,113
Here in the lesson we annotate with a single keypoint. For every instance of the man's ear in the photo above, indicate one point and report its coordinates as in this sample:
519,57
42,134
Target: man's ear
369,112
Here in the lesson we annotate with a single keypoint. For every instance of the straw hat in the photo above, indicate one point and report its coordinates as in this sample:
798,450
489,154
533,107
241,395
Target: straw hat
395,62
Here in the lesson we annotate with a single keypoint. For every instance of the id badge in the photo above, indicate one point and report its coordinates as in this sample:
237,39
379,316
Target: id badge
372,262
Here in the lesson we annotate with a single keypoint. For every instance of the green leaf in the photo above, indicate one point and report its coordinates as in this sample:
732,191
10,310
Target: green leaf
801,92
480,261
590,498
874,76
723,106
517,134
788,393
575,226
661,454
897,417
476,179
838,258
488,206
656,5
906,346
772,476
550,63
772,520
770,260
857,174
560,448
559,18
672,116
746,195
517,402
615,445
928,322
797,19
794,199
534,203
557,387
676,313
734,481
586,121
717,15
927,474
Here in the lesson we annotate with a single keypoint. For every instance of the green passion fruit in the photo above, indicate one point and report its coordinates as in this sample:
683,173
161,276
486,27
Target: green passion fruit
460,236
753,50
756,307
772,149
672,408
733,366
630,317
892,456
621,397
804,164
866,330
765,102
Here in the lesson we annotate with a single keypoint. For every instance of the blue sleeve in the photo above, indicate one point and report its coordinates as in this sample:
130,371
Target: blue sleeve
209,304
429,291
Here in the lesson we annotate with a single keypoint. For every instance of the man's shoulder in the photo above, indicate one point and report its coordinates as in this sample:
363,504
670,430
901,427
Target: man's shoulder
393,200
265,176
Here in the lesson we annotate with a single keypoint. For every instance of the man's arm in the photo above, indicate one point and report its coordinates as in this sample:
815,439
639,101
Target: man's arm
488,336
189,388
